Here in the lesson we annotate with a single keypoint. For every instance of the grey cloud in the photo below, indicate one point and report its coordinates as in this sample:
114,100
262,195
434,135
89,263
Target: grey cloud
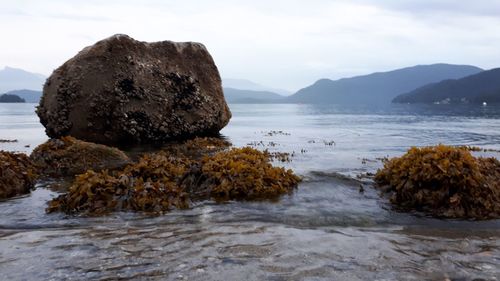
422,7
72,16
280,43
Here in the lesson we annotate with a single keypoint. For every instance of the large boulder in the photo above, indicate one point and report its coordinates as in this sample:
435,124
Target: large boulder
120,90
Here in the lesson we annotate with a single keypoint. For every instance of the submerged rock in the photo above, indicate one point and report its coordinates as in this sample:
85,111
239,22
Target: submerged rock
122,90
196,148
17,174
159,182
68,156
443,181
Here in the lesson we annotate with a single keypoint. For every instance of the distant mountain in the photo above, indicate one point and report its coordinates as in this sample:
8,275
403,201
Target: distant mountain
6,98
247,96
14,79
381,87
244,84
477,88
28,95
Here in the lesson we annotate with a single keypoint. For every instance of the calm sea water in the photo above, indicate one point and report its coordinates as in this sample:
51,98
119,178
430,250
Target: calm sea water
326,230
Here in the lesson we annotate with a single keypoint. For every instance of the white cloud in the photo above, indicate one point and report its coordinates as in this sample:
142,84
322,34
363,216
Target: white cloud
286,44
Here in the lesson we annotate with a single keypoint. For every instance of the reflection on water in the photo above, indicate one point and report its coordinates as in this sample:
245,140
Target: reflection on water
326,230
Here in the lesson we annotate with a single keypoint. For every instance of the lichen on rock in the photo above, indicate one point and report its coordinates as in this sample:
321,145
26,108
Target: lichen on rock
68,156
443,181
17,174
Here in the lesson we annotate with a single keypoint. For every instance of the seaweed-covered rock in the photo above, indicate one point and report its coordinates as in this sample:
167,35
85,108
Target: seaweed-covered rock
68,156
443,181
241,174
122,90
159,182
17,174
149,185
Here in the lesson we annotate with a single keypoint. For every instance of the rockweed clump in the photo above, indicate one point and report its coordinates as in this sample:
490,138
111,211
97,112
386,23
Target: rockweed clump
443,181
241,174
162,181
17,174
149,185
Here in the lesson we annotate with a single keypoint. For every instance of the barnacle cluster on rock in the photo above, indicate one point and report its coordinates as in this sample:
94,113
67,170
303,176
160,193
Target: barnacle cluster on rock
17,174
161,181
443,181
68,156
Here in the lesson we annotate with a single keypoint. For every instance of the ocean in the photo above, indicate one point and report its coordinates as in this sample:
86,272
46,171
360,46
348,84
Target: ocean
335,226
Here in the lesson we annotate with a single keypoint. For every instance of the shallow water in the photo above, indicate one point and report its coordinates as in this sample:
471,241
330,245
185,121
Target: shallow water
326,230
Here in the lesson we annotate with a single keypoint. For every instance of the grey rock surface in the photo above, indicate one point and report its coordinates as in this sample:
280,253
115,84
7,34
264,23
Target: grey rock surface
121,90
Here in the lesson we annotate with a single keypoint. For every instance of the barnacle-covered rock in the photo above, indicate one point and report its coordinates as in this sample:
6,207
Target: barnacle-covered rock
159,182
17,174
68,156
149,185
121,90
443,181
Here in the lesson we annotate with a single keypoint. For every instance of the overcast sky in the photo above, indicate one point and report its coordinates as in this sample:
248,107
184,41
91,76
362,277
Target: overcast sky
285,43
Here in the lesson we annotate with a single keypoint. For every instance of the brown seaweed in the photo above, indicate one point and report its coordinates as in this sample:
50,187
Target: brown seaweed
443,181
244,174
17,174
159,182
149,185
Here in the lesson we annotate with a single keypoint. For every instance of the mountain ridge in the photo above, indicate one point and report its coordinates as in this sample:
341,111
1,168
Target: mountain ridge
476,88
248,96
379,87
245,84
7,98
30,96
15,78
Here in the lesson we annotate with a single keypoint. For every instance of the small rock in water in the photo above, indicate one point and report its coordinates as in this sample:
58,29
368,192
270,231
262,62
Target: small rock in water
68,156
7,141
